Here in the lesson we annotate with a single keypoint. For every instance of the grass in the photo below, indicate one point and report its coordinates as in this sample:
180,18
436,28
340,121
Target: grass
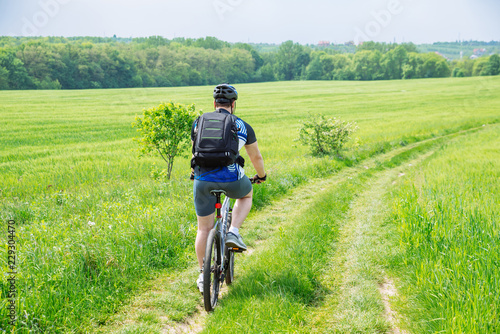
268,230
281,283
92,224
446,214
320,269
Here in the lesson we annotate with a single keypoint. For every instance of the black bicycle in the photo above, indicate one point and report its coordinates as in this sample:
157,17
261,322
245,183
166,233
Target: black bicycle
218,264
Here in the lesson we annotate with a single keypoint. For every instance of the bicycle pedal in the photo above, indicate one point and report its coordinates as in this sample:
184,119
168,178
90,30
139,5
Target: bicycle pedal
236,250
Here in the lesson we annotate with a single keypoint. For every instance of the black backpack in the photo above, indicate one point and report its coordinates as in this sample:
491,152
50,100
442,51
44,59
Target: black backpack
216,140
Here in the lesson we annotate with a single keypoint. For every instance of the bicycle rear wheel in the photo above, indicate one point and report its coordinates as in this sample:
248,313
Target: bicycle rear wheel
211,271
230,267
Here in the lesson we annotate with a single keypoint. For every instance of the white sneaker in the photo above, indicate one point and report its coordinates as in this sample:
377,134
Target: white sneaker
235,241
199,282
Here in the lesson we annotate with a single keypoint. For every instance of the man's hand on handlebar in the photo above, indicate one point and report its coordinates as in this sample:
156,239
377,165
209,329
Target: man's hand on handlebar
258,180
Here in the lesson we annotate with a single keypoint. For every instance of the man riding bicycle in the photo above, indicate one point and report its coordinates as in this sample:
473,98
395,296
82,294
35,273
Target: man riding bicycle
231,179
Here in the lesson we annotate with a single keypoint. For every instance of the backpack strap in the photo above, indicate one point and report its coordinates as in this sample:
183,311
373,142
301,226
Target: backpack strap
240,161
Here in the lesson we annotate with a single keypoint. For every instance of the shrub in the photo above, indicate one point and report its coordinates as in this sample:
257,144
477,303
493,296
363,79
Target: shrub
326,135
165,129
458,72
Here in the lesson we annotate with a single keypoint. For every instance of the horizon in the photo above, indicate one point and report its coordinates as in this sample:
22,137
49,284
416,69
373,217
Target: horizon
255,43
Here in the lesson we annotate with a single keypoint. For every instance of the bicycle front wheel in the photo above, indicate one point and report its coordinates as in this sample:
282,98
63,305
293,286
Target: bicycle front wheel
211,271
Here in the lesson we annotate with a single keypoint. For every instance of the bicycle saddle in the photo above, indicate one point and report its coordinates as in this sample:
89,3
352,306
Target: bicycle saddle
215,192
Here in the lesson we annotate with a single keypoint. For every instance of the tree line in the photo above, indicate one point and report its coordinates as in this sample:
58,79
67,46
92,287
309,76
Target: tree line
95,62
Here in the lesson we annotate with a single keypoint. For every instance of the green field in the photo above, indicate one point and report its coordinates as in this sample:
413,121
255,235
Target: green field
447,217
93,227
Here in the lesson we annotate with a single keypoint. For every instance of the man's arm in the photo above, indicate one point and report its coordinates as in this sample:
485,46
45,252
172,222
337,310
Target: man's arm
256,158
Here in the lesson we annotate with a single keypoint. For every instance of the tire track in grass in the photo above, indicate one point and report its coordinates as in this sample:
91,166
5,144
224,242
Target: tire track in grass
360,301
171,303
361,290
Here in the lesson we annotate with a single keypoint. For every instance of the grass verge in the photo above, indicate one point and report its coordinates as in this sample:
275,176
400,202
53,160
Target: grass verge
446,215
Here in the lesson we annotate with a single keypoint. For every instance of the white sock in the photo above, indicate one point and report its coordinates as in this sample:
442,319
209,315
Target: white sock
234,230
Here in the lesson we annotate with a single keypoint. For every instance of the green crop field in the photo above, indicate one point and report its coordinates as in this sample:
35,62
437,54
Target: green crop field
94,228
447,216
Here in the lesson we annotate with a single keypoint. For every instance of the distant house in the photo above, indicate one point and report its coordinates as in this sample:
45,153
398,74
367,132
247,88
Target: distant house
324,43
442,55
473,57
479,52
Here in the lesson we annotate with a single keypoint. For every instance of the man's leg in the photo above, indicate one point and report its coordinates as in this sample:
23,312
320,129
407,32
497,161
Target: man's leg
241,209
240,212
205,224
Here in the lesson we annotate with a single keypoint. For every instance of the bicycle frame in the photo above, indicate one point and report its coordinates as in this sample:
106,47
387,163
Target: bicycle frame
221,226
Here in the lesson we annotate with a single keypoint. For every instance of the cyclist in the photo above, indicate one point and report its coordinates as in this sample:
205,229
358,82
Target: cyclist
232,179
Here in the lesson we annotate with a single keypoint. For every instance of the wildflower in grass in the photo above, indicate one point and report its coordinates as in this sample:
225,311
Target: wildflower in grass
91,223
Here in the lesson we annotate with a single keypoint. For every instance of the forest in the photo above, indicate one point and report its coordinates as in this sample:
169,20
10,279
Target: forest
97,62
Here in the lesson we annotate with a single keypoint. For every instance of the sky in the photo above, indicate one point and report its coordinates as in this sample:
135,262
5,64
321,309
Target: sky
258,21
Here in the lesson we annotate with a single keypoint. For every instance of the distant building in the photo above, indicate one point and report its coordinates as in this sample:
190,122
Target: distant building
324,43
473,57
442,55
479,52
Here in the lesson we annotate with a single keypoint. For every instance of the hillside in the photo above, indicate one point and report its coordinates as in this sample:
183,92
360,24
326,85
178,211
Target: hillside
452,50
94,62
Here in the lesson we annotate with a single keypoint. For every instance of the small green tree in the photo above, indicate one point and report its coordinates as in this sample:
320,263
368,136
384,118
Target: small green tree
326,135
166,130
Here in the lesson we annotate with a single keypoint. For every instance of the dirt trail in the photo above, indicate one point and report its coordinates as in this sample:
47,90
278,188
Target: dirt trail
361,291
134,317
388,290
